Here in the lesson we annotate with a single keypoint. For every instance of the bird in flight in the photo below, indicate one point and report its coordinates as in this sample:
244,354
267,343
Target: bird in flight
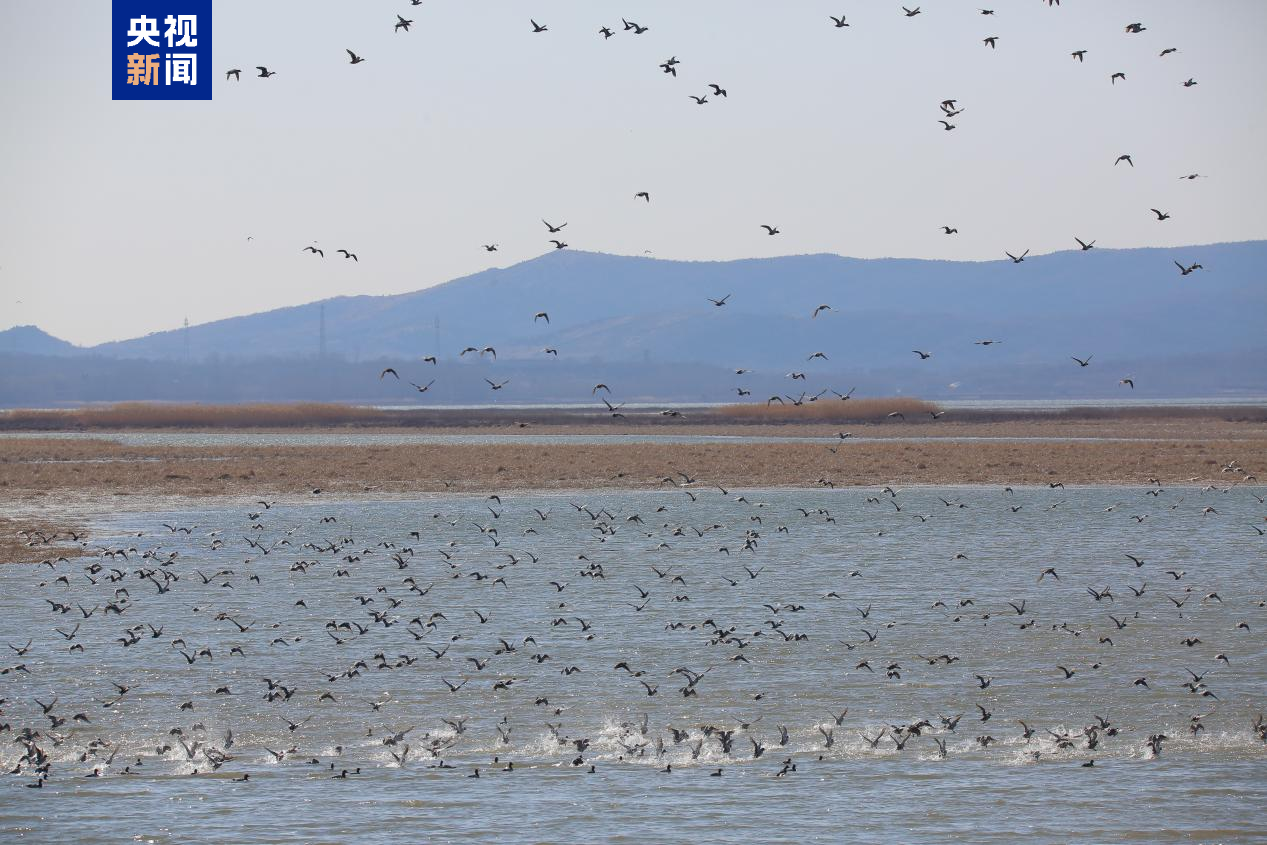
355,59
699,101
401,23
950,230
1085,245
605,32
643,195
536,27
818,309
923,356
490,247
1168,51
1186,270
1080,55
838,21
1017,259
1135,28
1124,158
351,255
313,250
1190,83
947,124
1161,215
1129,382
910,13
553,229
719,302
1082,362
265,73
718,91
558,244
770,230
236,73
541,315
495,385
389,370
991,42
1115,77
423,388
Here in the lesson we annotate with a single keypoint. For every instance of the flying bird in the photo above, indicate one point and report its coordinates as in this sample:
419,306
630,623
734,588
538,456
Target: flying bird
770,230
355,59
536,27
236,73
1017,259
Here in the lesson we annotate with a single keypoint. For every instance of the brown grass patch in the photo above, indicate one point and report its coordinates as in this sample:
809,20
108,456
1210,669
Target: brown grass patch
159,415
33,541
833,411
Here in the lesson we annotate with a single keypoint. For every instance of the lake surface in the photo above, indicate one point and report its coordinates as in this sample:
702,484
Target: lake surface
766,638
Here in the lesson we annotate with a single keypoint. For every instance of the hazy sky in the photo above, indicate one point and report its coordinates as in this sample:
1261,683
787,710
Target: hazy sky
120,218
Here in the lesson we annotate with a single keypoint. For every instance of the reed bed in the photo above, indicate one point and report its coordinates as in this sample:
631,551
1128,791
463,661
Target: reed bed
161,415
831,411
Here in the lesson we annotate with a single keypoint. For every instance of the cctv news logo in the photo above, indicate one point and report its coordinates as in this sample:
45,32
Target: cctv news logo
161,50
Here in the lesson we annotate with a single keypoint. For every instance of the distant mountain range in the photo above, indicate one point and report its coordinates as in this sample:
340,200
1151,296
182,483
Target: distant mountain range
1200,334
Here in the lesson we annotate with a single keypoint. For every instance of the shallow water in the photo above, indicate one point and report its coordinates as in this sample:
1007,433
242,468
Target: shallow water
1206,786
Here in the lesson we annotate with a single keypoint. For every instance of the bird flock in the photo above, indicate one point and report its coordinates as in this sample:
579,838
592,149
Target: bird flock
693,626
949,110
489,629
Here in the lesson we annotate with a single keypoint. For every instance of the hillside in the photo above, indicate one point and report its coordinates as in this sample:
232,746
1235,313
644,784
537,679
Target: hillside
632,313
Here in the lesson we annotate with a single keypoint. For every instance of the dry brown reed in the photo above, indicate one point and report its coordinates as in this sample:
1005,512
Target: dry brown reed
833,411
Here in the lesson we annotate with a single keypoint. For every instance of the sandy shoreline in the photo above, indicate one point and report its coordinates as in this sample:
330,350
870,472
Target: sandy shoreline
49,483
35,468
